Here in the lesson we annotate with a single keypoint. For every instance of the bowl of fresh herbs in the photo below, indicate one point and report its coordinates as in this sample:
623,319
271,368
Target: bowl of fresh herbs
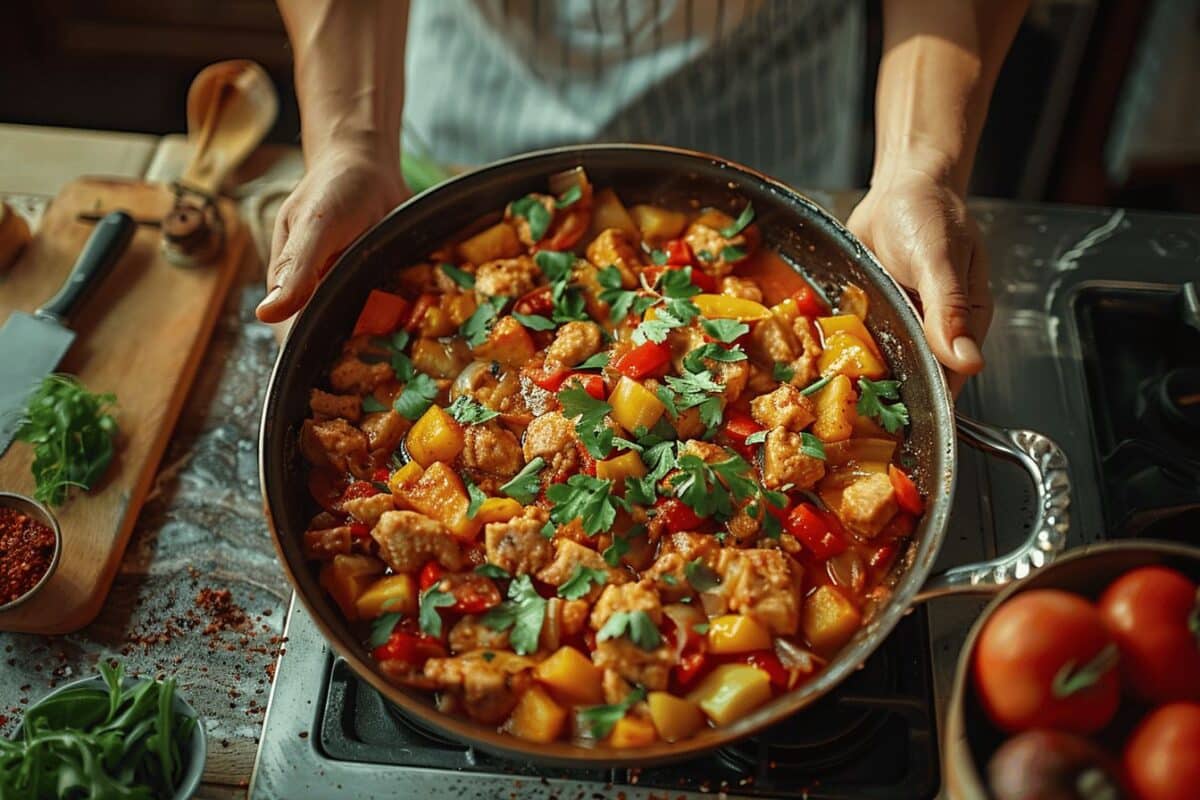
107,736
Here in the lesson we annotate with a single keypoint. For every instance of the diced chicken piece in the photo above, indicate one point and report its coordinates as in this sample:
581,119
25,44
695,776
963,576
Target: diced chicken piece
765,585
564,619
489,689
762,379
518,546
627,597
494,387
402,673
385,430
613,248
616,688
408,539
808,353
346,406
322,545
744,527
694,545
568,555
507,277
491,450
733,375
552,436
744,288
351,375
521,223
868,505
705,239
784,463
649,668
470,634
369,509
669,576
335,443
574,343
771,342
784,408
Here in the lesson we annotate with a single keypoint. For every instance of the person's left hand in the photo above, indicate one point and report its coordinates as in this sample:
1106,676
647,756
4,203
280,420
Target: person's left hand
919,228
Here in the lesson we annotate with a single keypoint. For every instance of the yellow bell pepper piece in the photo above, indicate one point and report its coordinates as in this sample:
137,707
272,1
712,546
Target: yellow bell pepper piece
722,306
537,718
848,323
389,593
498,241
440,494
735,633
346,577
618,468
634,405
632,732
405,477
658,224
497,509
436,436
828,620
571,677
731,691
846,354
674,717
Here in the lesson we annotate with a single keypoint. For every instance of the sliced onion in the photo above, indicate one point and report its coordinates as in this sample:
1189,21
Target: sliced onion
865,452
847,570
468,379
684,617
799,663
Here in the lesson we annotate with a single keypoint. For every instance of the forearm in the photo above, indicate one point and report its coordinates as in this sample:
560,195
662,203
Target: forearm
349,69
940,62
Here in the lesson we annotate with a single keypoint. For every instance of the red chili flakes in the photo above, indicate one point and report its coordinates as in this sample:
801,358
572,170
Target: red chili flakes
26,550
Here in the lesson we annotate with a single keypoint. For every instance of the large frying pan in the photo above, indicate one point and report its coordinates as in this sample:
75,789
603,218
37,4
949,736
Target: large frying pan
806,235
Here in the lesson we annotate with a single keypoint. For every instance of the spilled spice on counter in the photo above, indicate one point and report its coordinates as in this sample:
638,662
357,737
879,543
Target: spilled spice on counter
26,550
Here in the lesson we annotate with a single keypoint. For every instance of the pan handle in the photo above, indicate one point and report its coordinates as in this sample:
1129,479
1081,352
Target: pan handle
1046,464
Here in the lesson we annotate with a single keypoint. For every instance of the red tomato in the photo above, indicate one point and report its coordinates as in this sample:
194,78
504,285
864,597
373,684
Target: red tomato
677,515
411,648
1162,758
1154,614
809,303
360,530
814,531
592,384
689,668
1045,660
643,360
768,662
539,301
907,496
431,573
703,281
381,314
679,253
738,425
550,379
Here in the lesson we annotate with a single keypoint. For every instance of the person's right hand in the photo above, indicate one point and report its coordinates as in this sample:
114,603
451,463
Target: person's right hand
344,191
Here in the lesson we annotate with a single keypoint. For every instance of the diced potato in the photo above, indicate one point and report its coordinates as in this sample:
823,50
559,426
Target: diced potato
508,342
835,410
460,307
632,732
731,691
854,301
851,324
497,509
846,354
634,405
436,436
388,594
658,224
609,212
440,358
674,717
440,494
403,478
688,425
498,241
828,620
537,718
346,577
436,321
618,468
735,633
571,677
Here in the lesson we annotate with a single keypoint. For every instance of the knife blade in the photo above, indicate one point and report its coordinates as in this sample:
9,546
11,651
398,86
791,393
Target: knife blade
31,345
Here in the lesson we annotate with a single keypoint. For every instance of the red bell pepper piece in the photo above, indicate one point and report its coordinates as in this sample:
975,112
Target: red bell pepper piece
431,573
475,595
703,281
738,425
591,383
381,314
568,227
677,515
643,360
549,379
768,662
679,253
689,668
359,489
411,648
881,557
360,530
381,474
814,531
907,496
809,303
425,302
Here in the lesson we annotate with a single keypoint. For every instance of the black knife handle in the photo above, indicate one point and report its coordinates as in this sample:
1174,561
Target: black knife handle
101,251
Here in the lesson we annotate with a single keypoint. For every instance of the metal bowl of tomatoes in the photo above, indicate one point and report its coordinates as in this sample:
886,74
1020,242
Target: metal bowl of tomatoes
1083,680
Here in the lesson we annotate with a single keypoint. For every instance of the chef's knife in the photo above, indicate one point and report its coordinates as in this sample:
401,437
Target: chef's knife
31,345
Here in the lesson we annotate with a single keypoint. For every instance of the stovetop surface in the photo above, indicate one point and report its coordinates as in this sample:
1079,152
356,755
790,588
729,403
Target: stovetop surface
1063,279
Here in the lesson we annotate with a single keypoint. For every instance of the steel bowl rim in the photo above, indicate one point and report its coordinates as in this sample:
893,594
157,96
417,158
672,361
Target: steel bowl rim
872,634
51,521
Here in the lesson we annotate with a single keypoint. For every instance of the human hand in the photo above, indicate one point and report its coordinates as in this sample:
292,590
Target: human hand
918,226
344,191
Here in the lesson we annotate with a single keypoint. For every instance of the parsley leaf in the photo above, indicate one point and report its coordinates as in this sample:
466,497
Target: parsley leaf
525,484
758,437
812,446
580,582
416,398
675,314
701,628
892,416
381,629
570,197
694,389
697,486
621,301
725,330
676,284
548,530
433,599
817,385
464,279
523,612
554,265
658,457
588,499
592,425
694,361
476,328
371,406
640,490
701,576
612,554
659,257
535,322
476,495
634,625
730,253
782,372
600,720
568,303
492,571
469,411
736,227
531,209
598,361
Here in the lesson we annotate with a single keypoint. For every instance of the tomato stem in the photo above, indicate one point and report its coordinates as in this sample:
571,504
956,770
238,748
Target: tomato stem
1068,681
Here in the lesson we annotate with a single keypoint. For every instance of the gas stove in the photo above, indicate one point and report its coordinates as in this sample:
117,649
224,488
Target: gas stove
1096,343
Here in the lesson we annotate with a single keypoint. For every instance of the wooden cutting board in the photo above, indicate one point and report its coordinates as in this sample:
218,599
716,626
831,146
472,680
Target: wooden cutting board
141,335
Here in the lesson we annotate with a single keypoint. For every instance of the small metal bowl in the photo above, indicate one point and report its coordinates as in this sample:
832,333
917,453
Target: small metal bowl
32,508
